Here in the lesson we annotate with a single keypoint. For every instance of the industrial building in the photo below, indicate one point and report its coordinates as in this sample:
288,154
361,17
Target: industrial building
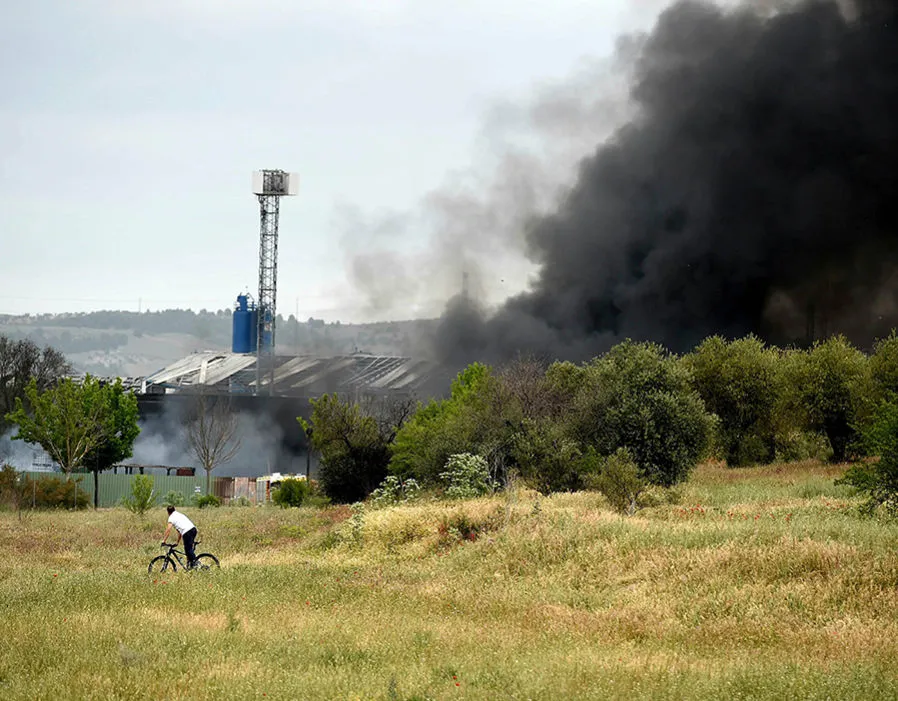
276,388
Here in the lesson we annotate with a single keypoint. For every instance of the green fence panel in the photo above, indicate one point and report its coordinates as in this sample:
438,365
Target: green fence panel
114,487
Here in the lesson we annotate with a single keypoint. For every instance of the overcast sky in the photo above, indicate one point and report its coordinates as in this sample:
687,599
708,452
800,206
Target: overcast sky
129,131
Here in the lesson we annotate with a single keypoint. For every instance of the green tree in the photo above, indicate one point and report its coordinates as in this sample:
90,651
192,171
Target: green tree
354,441
738,381
879,480
830,388
549,459
884,368
463,423
638,396
69,420
121,432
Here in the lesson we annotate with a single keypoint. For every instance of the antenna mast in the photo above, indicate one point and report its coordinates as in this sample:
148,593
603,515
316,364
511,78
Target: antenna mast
269,186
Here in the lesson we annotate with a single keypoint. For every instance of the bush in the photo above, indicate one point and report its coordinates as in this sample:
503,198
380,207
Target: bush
465,422
19,491
291,492
208,500
802,445
548,459
620,481
461,526
241,501
15,489
142,497
56,493
639,397
879,480
174,498
395,491
466,476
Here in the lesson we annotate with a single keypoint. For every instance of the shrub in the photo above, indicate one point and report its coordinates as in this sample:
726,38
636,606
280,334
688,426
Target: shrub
637,396
15,489
548,459
208,500
174,498
466,476
291,492
55,493
142,497
620,481
395,491
241,501
461,526
879,480
802,445
465,422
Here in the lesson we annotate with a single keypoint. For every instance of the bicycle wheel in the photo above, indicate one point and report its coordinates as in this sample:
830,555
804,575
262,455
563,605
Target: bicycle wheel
206,561
162,563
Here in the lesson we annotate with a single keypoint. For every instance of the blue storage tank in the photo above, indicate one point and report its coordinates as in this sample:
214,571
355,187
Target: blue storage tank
245,332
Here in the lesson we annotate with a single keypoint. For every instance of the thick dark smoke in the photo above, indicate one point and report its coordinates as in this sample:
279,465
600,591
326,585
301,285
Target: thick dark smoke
754,190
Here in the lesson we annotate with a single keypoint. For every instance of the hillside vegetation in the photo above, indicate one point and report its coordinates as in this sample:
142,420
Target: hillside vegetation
760,582
126,344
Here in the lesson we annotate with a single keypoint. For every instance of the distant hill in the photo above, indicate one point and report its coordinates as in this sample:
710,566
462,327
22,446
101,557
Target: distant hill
132,344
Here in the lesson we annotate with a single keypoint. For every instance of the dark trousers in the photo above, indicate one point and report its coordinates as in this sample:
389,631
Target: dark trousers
189,538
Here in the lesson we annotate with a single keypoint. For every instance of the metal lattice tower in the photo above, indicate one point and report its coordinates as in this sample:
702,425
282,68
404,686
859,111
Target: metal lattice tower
269,186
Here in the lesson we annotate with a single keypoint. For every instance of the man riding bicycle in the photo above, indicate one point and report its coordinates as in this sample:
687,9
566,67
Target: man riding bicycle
185,528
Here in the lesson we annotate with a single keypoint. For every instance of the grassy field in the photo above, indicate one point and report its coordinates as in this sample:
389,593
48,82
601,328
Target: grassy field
760,583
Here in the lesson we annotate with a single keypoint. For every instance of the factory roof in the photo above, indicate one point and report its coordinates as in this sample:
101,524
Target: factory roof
299,375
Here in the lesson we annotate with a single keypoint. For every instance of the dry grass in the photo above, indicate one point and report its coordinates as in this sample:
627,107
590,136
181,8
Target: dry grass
761,583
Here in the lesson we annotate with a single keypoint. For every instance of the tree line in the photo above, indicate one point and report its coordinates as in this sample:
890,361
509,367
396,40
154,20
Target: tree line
633,418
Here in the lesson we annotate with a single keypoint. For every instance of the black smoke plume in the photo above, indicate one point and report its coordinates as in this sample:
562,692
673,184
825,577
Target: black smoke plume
755,190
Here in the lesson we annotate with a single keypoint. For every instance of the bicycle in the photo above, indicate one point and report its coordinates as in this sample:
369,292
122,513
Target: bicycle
171,560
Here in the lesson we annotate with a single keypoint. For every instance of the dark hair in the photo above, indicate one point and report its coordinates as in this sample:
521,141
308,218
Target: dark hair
171,509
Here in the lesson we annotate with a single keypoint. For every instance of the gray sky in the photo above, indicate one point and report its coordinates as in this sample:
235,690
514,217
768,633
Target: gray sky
129,131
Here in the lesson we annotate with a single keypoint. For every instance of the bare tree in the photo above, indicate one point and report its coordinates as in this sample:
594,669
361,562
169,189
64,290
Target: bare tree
20,361
212,432
389,412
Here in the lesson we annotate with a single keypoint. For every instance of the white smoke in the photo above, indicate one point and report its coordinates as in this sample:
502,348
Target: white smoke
22,455
163,441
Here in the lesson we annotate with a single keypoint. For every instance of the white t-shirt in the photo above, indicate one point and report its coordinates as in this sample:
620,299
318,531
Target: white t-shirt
180,521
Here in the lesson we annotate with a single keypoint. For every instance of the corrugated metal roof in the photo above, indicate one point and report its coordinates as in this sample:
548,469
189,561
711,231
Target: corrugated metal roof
295,374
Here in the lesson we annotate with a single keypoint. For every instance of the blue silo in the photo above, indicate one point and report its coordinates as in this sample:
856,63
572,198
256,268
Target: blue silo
245,321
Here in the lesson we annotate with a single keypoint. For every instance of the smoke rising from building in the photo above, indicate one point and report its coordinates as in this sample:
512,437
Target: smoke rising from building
163,441
471,225
749,188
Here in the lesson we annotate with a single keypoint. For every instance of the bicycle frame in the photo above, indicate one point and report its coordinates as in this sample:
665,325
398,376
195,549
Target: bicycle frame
173,553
